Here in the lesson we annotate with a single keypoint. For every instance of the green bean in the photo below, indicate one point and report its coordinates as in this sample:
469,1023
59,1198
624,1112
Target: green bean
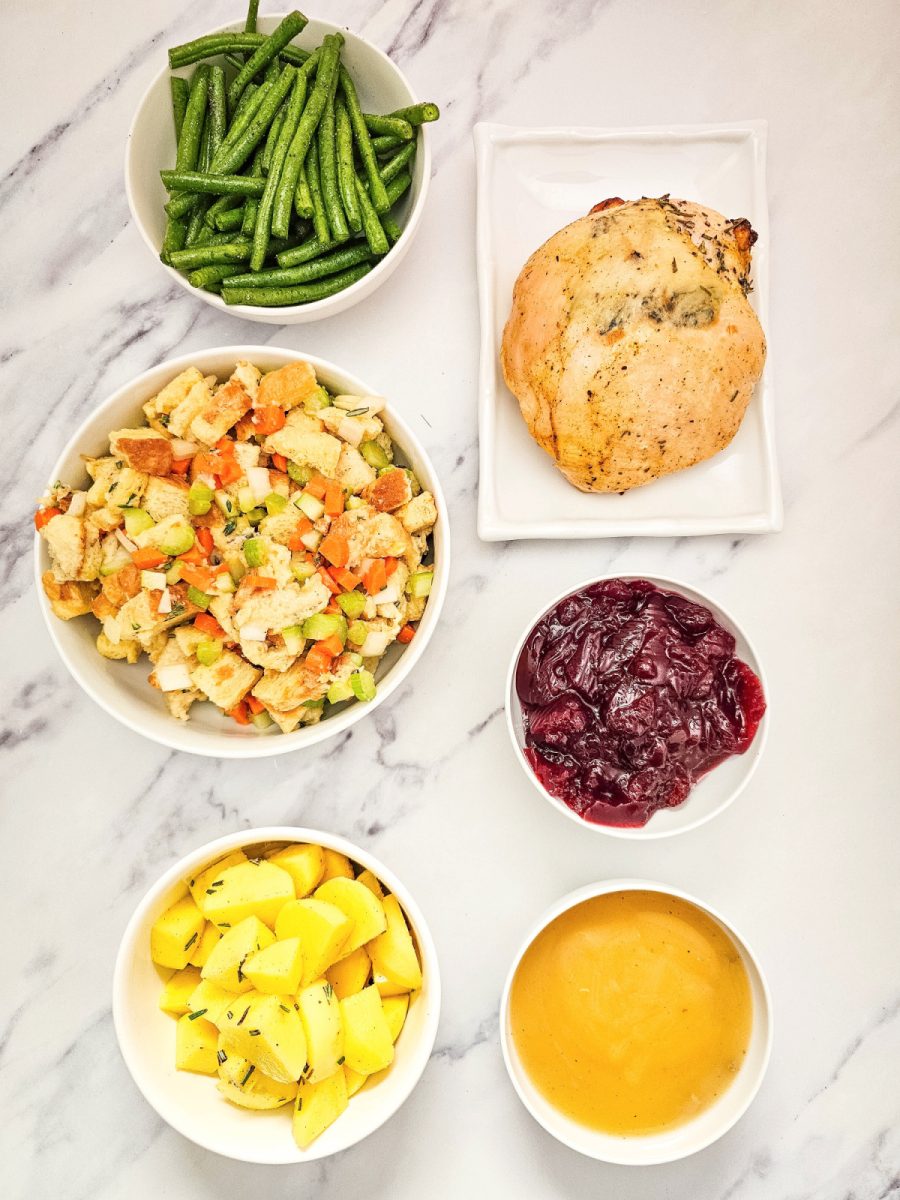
180,92
319,216
192,127
329,264
328,170
264,53
375,235
306,127
272,137
391,228
305,252
396,165
235,60
383,145
252,10
205,256
174,238
215,44
251,205
272,71
302,294
217,112
231,158
229,220
389,126
222,205
263,227
364,143
346,173
303,205
418,114
196,225
210,278
212,185
398,186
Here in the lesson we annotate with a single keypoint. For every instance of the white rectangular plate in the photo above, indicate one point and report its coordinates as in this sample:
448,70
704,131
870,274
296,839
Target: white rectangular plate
532,182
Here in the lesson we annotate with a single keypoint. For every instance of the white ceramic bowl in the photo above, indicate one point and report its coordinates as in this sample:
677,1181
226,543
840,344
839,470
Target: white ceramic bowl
715,791
190,1103
122,689
686,1139
382,87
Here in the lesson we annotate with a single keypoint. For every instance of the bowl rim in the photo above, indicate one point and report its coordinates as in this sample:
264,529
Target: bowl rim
757,746
214,849
254,746
631,884
327,306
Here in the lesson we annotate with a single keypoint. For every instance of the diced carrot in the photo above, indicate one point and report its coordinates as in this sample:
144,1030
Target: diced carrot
317,487
268,419
318,659
375,579
240,713
225,446
148,558
390,566
229,471
333,645
255,706
44,515
208,624
345,578
198,577
258,581
406,634
194,555
328,581
333,607
180,466
279,462
205,463
336,549
205,538
334,498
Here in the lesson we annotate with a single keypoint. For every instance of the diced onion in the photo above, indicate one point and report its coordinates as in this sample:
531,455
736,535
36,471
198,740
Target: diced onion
377,641
129,545
350,430
113,630
183,449
253,633
258,479
387,595
173,678
77,504
209,480
165,602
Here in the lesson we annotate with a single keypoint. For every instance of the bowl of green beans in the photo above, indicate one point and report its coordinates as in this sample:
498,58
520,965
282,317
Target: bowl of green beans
278,167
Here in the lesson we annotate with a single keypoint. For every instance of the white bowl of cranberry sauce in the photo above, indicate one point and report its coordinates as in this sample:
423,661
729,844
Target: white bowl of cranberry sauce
636,706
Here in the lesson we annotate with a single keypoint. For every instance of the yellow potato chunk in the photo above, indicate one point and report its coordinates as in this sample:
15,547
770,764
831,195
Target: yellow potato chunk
354,1080
268,1032
320,1013
317,1106
335,865
322,929
210,1000
350,974
196,1043
177,990
305,864
367,879
242,1084
202,880
395,1010
174,934
226,961
255,888
276,968
360,905
368,1045
394,959
203,948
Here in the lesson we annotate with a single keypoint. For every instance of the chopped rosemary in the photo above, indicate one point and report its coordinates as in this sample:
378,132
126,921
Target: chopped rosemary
190,941
253,1032
250,1071
244,1017
341,1060
221,1056
199,1013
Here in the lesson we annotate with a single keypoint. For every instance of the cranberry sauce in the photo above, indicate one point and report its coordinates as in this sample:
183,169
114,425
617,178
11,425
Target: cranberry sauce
629,695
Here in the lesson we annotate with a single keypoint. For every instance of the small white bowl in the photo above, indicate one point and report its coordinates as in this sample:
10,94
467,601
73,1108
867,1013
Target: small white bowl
685,1139
190,1103
715,791
121,688
150,148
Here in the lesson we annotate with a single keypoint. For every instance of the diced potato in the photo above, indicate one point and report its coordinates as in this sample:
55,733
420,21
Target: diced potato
175,933
335,864
211,1000
305,864
367,879
277,968
204,947
395,1010
225,964
350,974
320,1013
360,905
209,875
368,1045
354,1080
394,958
177,990
317,1106
242,1084
322,929
250,889
268,1032
196,1043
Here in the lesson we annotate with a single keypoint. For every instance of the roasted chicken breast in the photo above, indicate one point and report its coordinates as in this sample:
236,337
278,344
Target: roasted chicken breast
631,346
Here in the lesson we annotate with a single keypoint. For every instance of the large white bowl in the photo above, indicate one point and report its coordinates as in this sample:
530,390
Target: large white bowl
121,688
685,1139
150,148
715,791
190,1103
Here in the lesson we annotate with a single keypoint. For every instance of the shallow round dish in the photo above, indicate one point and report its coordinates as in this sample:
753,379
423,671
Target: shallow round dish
190,1103
150,148
715,791
685,1139
121,688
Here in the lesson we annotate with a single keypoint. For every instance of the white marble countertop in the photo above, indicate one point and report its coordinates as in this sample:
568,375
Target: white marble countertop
805,862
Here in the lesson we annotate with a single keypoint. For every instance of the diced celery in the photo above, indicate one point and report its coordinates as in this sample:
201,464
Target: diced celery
323,625
293,638
275,503
299,472
352,603
374,455
355,502
357,633
261,720
200,498
224,582
110,569
226,504
314,703
310,506
356,659
173,575
255,515
363,685
246,499
237,568
153,581
137,520
178,539
195,596
302,570
339,691
256,552
318,399
420,584
208,651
